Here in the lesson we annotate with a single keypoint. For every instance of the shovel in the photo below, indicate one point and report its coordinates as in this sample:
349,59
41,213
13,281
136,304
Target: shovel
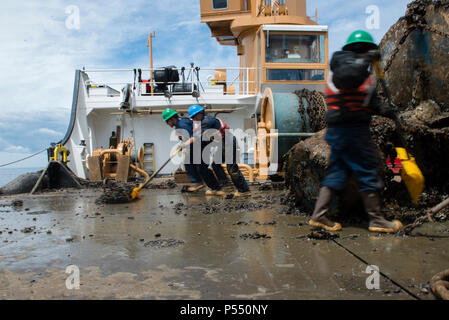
410,173
136,191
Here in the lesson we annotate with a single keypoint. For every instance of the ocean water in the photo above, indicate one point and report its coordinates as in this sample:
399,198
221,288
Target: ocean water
9,174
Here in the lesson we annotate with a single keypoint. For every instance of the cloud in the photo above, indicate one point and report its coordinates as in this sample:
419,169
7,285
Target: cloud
18,149
345,17
38,161
40,54
50,132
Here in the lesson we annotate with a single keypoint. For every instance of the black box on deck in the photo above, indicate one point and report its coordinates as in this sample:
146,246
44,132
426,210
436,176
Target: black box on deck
183,88
166,75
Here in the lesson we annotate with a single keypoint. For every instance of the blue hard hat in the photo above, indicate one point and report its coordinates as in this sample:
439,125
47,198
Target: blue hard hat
195,109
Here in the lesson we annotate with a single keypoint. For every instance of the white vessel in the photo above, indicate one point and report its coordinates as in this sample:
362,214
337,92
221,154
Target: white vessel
281,50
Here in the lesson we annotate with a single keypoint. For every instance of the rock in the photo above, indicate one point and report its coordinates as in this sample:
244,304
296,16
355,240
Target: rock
322,235
306,167
420,70
427,110
17,203
164,243
22,184
115,192
255,235
28,229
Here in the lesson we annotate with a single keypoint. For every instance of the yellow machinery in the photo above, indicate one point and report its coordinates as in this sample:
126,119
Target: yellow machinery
60,150
118,163
410,174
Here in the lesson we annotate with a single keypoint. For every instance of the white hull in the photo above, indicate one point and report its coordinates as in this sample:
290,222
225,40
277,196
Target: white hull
96,115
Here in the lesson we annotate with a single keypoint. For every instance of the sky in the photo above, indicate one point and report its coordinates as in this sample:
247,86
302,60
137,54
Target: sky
43,43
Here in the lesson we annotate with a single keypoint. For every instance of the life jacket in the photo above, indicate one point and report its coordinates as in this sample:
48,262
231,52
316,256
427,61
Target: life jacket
352,100
183,124
196,125
223,128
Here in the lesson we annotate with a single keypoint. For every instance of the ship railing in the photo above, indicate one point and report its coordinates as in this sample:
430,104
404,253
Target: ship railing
192,80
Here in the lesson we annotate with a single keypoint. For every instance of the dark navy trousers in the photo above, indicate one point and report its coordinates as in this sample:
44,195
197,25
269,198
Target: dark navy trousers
352,150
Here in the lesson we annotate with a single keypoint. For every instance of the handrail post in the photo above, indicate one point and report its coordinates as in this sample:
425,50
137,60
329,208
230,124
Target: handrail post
150,45
247,81
193,77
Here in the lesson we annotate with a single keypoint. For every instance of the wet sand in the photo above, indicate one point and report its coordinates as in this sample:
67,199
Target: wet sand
173,245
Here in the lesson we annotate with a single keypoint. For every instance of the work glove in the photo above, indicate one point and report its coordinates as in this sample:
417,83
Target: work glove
391,151
388,111
374,55
184,145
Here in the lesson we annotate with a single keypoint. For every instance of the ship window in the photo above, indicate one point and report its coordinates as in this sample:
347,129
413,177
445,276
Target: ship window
294,48
295,75
220,4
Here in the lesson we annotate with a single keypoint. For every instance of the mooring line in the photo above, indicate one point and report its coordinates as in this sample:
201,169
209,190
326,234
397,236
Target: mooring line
381,273
28,157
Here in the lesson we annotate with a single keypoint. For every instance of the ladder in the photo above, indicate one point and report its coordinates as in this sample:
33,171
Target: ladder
148,158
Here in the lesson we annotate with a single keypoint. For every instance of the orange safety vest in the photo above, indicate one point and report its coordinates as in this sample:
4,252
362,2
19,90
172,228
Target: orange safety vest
354,99
223,128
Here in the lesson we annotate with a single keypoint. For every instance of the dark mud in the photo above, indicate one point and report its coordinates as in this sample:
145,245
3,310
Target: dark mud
255,235
169,184
115,192
173,235
322,235
14,203
164,243
216,207
271,186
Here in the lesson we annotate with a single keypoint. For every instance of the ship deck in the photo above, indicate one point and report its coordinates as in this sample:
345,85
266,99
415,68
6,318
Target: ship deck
171,245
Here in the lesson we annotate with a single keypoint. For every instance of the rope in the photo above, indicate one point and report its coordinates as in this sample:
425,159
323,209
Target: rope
440,285
33,155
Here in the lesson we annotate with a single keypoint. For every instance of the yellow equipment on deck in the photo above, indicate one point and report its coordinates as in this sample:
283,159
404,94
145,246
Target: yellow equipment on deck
136,191
60,149
118,163
410,173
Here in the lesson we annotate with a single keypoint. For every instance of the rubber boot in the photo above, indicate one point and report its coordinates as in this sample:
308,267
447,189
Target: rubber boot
377,221
215,193
195,187
238,194
321,209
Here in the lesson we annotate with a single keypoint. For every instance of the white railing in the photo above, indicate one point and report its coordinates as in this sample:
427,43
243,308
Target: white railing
238,81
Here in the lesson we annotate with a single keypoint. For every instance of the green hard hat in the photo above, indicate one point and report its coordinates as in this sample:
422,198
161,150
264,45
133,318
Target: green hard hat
168,113
360,37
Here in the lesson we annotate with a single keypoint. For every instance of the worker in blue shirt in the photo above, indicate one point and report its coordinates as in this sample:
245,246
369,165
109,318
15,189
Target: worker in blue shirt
184,128
215,129
195,169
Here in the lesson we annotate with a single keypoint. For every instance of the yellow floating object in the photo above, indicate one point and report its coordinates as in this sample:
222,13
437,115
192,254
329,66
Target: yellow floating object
411,174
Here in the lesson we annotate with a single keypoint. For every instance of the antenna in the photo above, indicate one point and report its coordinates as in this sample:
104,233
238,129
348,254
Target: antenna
150,45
